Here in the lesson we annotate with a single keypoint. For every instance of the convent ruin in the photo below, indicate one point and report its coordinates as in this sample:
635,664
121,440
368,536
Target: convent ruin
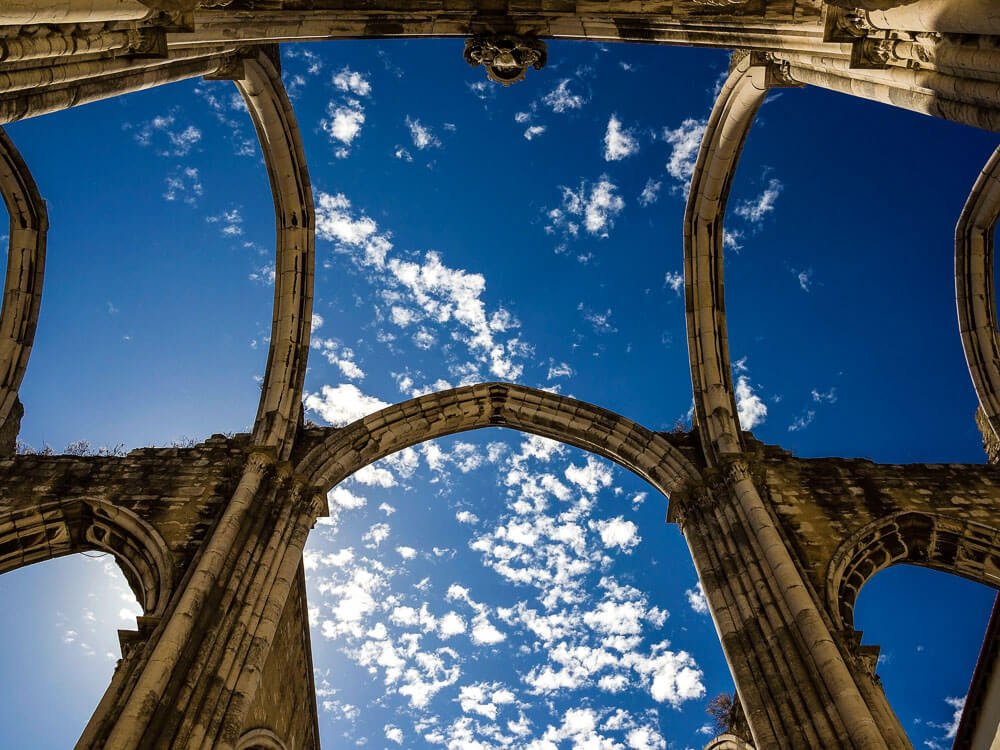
211,537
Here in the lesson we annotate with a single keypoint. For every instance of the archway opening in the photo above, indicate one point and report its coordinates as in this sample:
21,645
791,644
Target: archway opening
929,626
152,330
61,645
494,584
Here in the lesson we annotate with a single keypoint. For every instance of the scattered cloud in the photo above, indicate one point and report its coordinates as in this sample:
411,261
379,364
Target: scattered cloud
166,135
595,207
802,421
421,135
560,99
804,278
342,404
750,408
675,280
352,82
346,115
619,143
756,209
184,184
534,131
696,598
650,193
684,140
601,322
230,222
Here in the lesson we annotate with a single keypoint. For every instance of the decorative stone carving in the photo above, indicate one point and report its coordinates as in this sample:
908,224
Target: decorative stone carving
506,57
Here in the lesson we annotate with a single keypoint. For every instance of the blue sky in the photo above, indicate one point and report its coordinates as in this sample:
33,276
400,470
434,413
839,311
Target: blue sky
493,588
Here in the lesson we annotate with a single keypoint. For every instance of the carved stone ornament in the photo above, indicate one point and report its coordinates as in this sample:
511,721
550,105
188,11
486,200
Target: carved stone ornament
506,57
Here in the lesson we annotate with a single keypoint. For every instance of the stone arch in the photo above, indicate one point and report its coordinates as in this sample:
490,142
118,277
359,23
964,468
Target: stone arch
280,409
577,423
947,543
260,739
976,297
22,295
715,415
54,529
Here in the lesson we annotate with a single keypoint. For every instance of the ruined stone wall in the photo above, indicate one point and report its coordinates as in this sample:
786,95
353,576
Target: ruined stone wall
178,491
846,519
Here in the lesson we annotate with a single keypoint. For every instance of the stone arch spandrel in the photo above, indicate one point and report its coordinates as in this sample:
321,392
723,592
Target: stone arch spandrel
846,519
517,407
950,544
715,412
280,409
976,297
54,529
25,270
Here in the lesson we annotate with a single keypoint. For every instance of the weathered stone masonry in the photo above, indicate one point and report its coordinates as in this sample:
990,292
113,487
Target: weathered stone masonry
211,538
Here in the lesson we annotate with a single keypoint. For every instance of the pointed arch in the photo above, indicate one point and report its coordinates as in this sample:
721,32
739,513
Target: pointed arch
646,453
22,297
976,297
749,81
951,544
280,408
54,529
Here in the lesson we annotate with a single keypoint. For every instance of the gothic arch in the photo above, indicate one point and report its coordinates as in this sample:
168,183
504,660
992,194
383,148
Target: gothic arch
22,295
732,116
975,295
942,542
54,529
260,739
280,408
517,407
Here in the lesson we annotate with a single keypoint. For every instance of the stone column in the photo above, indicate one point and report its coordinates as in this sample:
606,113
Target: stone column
797,685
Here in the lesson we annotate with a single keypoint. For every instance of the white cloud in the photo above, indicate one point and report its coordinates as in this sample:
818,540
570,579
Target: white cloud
802,421
533,131
393,734
755,210
336,222
696,598
353,82
675,280
421,135
731,239
601,322
450,625
184,184
559,370
230,222
180,140
340,405
597,206
804,278
685,141
560,99
750,408
650,193
343,124
590,477
344,498
618,143
374,476
617,532
824,397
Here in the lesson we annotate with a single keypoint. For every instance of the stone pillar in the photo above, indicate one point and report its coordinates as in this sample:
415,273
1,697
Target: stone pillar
797,684
193,682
